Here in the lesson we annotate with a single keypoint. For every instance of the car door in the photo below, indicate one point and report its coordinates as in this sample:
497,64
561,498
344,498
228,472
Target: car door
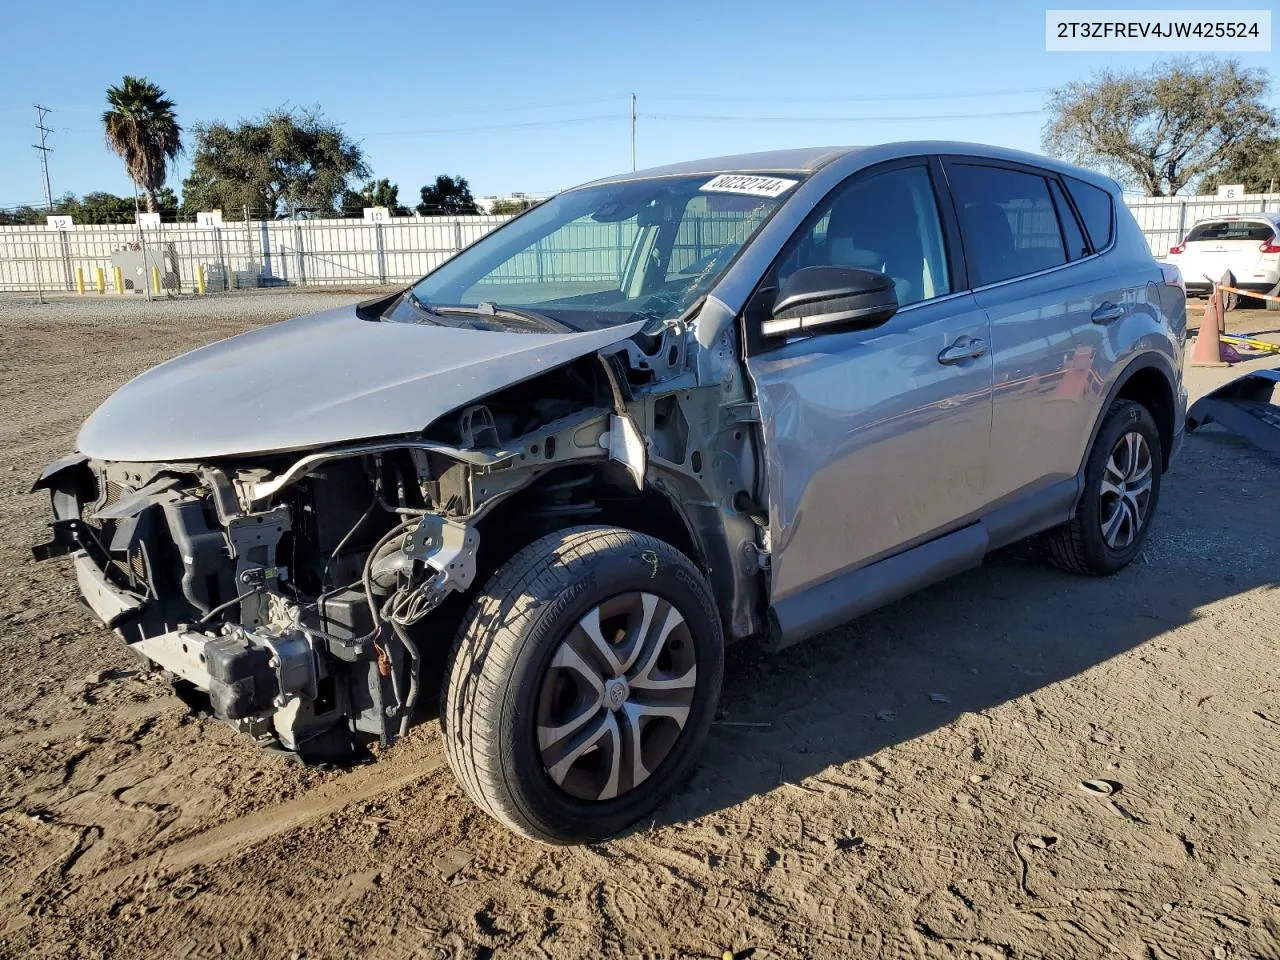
1033,272
875,439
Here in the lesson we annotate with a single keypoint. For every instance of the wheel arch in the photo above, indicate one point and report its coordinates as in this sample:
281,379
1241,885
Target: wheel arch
1147,380
599,495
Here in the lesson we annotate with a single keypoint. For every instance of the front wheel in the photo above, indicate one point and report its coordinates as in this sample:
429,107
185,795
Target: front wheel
582,683
1121,490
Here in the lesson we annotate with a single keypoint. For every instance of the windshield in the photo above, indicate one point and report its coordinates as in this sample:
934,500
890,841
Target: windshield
607,255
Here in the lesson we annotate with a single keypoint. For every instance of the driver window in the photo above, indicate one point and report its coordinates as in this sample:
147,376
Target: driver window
888,222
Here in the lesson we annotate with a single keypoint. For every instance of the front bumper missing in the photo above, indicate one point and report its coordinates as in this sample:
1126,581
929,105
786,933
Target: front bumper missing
1244,406
108,602
319,678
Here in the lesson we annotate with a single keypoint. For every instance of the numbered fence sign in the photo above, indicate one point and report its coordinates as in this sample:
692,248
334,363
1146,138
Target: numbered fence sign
151,220
209,218
60,223
377,214
1231,191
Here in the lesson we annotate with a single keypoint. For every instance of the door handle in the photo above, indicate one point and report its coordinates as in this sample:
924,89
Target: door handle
966,348
1107,312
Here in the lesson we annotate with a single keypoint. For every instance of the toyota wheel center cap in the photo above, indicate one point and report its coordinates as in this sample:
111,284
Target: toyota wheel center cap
616,693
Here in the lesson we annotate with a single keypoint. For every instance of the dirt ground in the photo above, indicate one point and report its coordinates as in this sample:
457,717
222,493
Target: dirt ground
905,786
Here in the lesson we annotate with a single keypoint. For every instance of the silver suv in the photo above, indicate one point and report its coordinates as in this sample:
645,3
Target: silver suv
753,396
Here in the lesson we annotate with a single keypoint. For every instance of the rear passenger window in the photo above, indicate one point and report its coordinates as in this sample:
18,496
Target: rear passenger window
1076,245
1008,220
1094,205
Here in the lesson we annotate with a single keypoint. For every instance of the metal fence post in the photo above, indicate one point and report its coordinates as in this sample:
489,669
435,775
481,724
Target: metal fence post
66,258
1182,221
35,262
457,235
382,253
297,245
222,260
248,249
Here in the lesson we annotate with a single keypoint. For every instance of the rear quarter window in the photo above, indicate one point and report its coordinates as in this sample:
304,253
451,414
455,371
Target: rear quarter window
1231,230
1095,206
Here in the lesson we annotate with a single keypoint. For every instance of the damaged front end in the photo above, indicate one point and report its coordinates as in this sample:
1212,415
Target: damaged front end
302,593
287,601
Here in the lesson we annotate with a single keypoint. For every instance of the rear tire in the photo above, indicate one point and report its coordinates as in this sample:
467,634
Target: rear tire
1121,492
582,683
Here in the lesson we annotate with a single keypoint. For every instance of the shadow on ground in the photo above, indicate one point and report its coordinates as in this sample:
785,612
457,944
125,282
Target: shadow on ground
986,637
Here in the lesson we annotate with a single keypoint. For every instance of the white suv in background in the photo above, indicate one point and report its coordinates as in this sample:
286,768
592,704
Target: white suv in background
1246,245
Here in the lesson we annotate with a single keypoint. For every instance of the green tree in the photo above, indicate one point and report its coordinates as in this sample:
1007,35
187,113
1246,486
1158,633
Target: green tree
1256,164
142,128
286,161
448,196
508,208
375,193
1164,129
22,216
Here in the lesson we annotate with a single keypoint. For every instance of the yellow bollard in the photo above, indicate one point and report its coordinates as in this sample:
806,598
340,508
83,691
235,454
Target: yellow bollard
200,280
119,278
155,279
100,279
80,281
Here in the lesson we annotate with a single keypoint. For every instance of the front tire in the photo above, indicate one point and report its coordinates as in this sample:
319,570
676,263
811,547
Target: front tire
1121,491
582,683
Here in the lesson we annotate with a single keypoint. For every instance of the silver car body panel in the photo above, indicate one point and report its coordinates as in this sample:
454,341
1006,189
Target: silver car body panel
317,380
951,463
870,418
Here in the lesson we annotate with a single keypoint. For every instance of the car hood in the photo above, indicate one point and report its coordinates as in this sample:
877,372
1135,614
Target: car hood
318,380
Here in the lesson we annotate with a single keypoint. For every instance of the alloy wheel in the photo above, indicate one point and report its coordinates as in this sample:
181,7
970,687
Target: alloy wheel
616,696
1126,490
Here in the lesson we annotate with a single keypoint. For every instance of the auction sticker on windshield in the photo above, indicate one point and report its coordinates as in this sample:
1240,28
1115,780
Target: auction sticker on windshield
745,183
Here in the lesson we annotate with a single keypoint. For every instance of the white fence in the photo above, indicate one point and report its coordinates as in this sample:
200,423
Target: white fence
353,252
237,254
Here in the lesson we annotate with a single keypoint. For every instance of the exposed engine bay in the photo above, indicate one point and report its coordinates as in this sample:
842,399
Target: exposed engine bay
303,592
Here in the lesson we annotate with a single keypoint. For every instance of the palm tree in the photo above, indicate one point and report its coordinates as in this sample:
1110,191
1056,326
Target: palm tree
142,127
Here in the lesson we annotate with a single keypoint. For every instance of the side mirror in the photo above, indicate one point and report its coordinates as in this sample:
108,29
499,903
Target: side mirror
830,298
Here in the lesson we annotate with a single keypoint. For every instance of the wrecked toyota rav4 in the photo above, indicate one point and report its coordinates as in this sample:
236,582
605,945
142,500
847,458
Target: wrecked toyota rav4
747,397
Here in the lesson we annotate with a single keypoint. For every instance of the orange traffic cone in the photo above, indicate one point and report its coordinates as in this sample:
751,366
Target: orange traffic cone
1209,350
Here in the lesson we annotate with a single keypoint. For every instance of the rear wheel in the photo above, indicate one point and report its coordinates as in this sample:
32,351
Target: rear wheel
582,683
1121,490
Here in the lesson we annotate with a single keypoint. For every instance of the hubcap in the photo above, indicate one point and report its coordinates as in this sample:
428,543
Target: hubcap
1125,499
616,696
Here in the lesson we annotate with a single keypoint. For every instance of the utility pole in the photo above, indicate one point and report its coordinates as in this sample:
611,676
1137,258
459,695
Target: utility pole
633,132
45,150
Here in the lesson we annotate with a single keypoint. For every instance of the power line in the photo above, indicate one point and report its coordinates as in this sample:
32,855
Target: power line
431,131
837,98
45,150
521,108
719,118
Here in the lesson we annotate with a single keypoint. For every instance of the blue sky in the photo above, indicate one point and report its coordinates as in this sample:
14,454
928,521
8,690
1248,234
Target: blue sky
413,81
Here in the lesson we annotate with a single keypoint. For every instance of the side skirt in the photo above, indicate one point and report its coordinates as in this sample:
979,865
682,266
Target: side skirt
851,594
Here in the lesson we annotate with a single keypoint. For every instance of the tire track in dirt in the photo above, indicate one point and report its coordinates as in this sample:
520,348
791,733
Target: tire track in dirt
68,729
240,835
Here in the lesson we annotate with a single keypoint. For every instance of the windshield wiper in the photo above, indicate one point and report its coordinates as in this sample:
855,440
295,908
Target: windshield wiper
487,308
421,304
